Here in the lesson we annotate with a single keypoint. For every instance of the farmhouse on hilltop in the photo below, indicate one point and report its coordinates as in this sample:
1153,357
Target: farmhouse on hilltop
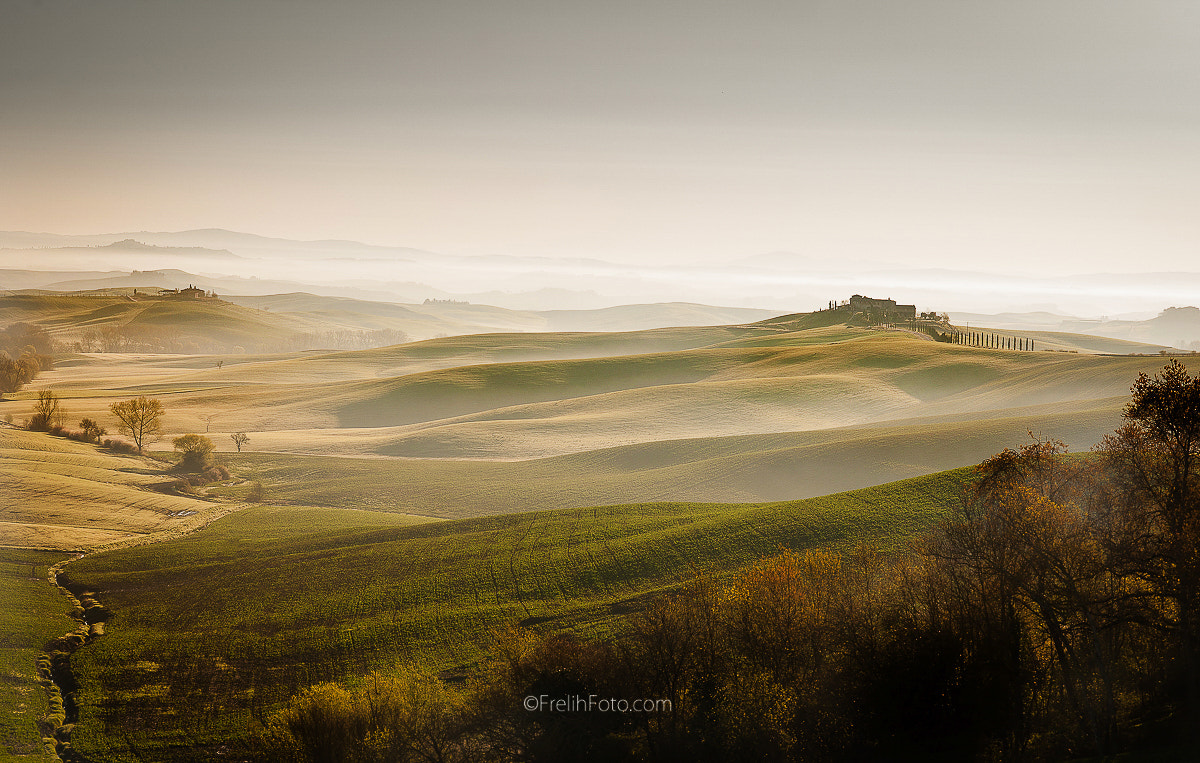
882,309
191,292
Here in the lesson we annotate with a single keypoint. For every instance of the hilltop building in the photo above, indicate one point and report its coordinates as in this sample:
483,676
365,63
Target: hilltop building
882,309
191,292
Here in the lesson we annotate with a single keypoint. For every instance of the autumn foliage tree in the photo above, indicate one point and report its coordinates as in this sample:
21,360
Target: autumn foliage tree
1092,569
1027,562
1153,508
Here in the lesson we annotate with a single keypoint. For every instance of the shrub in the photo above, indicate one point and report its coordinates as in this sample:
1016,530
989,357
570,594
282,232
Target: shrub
15,374
410,716
120,446
92,429
216,474
72,434
197,452
58,430
181,485
188,483
257,493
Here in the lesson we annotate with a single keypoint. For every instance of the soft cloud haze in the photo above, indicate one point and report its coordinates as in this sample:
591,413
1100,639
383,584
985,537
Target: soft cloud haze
1037,137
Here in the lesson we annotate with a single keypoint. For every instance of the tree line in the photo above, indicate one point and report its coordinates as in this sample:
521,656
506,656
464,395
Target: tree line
1055,615
139,419
25,351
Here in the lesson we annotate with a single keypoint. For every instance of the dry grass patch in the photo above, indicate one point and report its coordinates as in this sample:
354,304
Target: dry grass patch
67,495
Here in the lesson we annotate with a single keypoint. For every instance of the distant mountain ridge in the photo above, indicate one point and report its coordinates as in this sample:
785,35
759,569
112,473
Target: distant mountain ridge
774,280
133,245
174,278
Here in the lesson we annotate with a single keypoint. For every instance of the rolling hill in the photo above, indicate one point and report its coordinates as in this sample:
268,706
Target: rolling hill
577,473
305,321
500,423
529,396
456,317
149,323
229,622
69,496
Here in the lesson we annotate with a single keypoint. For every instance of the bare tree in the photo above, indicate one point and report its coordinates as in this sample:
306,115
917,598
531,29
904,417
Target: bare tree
46,412
239,439
208,419
140,418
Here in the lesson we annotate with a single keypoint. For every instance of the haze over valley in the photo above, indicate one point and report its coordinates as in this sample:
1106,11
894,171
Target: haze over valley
800,382
240,264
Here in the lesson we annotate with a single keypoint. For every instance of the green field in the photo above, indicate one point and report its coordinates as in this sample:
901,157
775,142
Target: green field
32,613
215,629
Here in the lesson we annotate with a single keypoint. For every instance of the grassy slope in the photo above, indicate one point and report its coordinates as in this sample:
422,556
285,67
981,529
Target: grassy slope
1083,343
534,409
416,357
66,316
248,321
743,468
433,317
32,613
276,598
714,420
744,381
304,390
68,495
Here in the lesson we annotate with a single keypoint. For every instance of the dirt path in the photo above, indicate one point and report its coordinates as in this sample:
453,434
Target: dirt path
54,668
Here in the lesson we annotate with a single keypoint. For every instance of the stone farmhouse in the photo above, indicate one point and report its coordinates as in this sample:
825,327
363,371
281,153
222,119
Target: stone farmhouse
882,309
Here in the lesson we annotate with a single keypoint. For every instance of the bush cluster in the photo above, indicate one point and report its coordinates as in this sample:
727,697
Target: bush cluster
196,452
120,446
188,482
211,474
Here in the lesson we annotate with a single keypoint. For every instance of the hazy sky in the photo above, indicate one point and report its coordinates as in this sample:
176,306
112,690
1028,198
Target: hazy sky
1033,135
